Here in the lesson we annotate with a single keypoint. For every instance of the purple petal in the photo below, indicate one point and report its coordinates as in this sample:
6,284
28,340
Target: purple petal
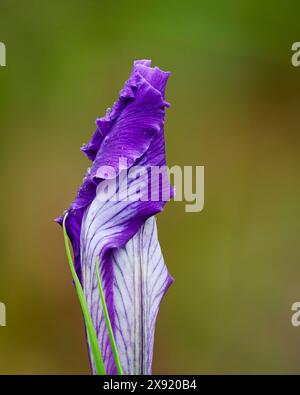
141,281
120,231
132,129
135,279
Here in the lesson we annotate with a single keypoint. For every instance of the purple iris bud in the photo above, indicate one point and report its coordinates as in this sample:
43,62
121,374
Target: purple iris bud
122,231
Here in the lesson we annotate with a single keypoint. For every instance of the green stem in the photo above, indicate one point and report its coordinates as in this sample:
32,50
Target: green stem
108,323
100,368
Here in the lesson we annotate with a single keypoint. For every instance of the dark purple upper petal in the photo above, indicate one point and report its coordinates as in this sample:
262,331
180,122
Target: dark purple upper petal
132,129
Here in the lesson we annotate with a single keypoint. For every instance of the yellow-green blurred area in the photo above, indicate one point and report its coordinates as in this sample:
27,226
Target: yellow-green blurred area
235,110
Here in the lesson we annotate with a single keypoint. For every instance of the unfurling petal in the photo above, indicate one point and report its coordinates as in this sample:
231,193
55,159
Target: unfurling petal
135,279
122,232
141,280
132,129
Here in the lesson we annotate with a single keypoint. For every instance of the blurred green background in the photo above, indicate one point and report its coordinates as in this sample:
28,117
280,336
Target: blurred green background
235,109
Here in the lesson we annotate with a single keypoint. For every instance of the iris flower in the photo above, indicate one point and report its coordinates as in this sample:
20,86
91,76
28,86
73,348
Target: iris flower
120,235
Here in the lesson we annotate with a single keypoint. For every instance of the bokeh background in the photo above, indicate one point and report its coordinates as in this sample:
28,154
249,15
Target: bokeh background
235,110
